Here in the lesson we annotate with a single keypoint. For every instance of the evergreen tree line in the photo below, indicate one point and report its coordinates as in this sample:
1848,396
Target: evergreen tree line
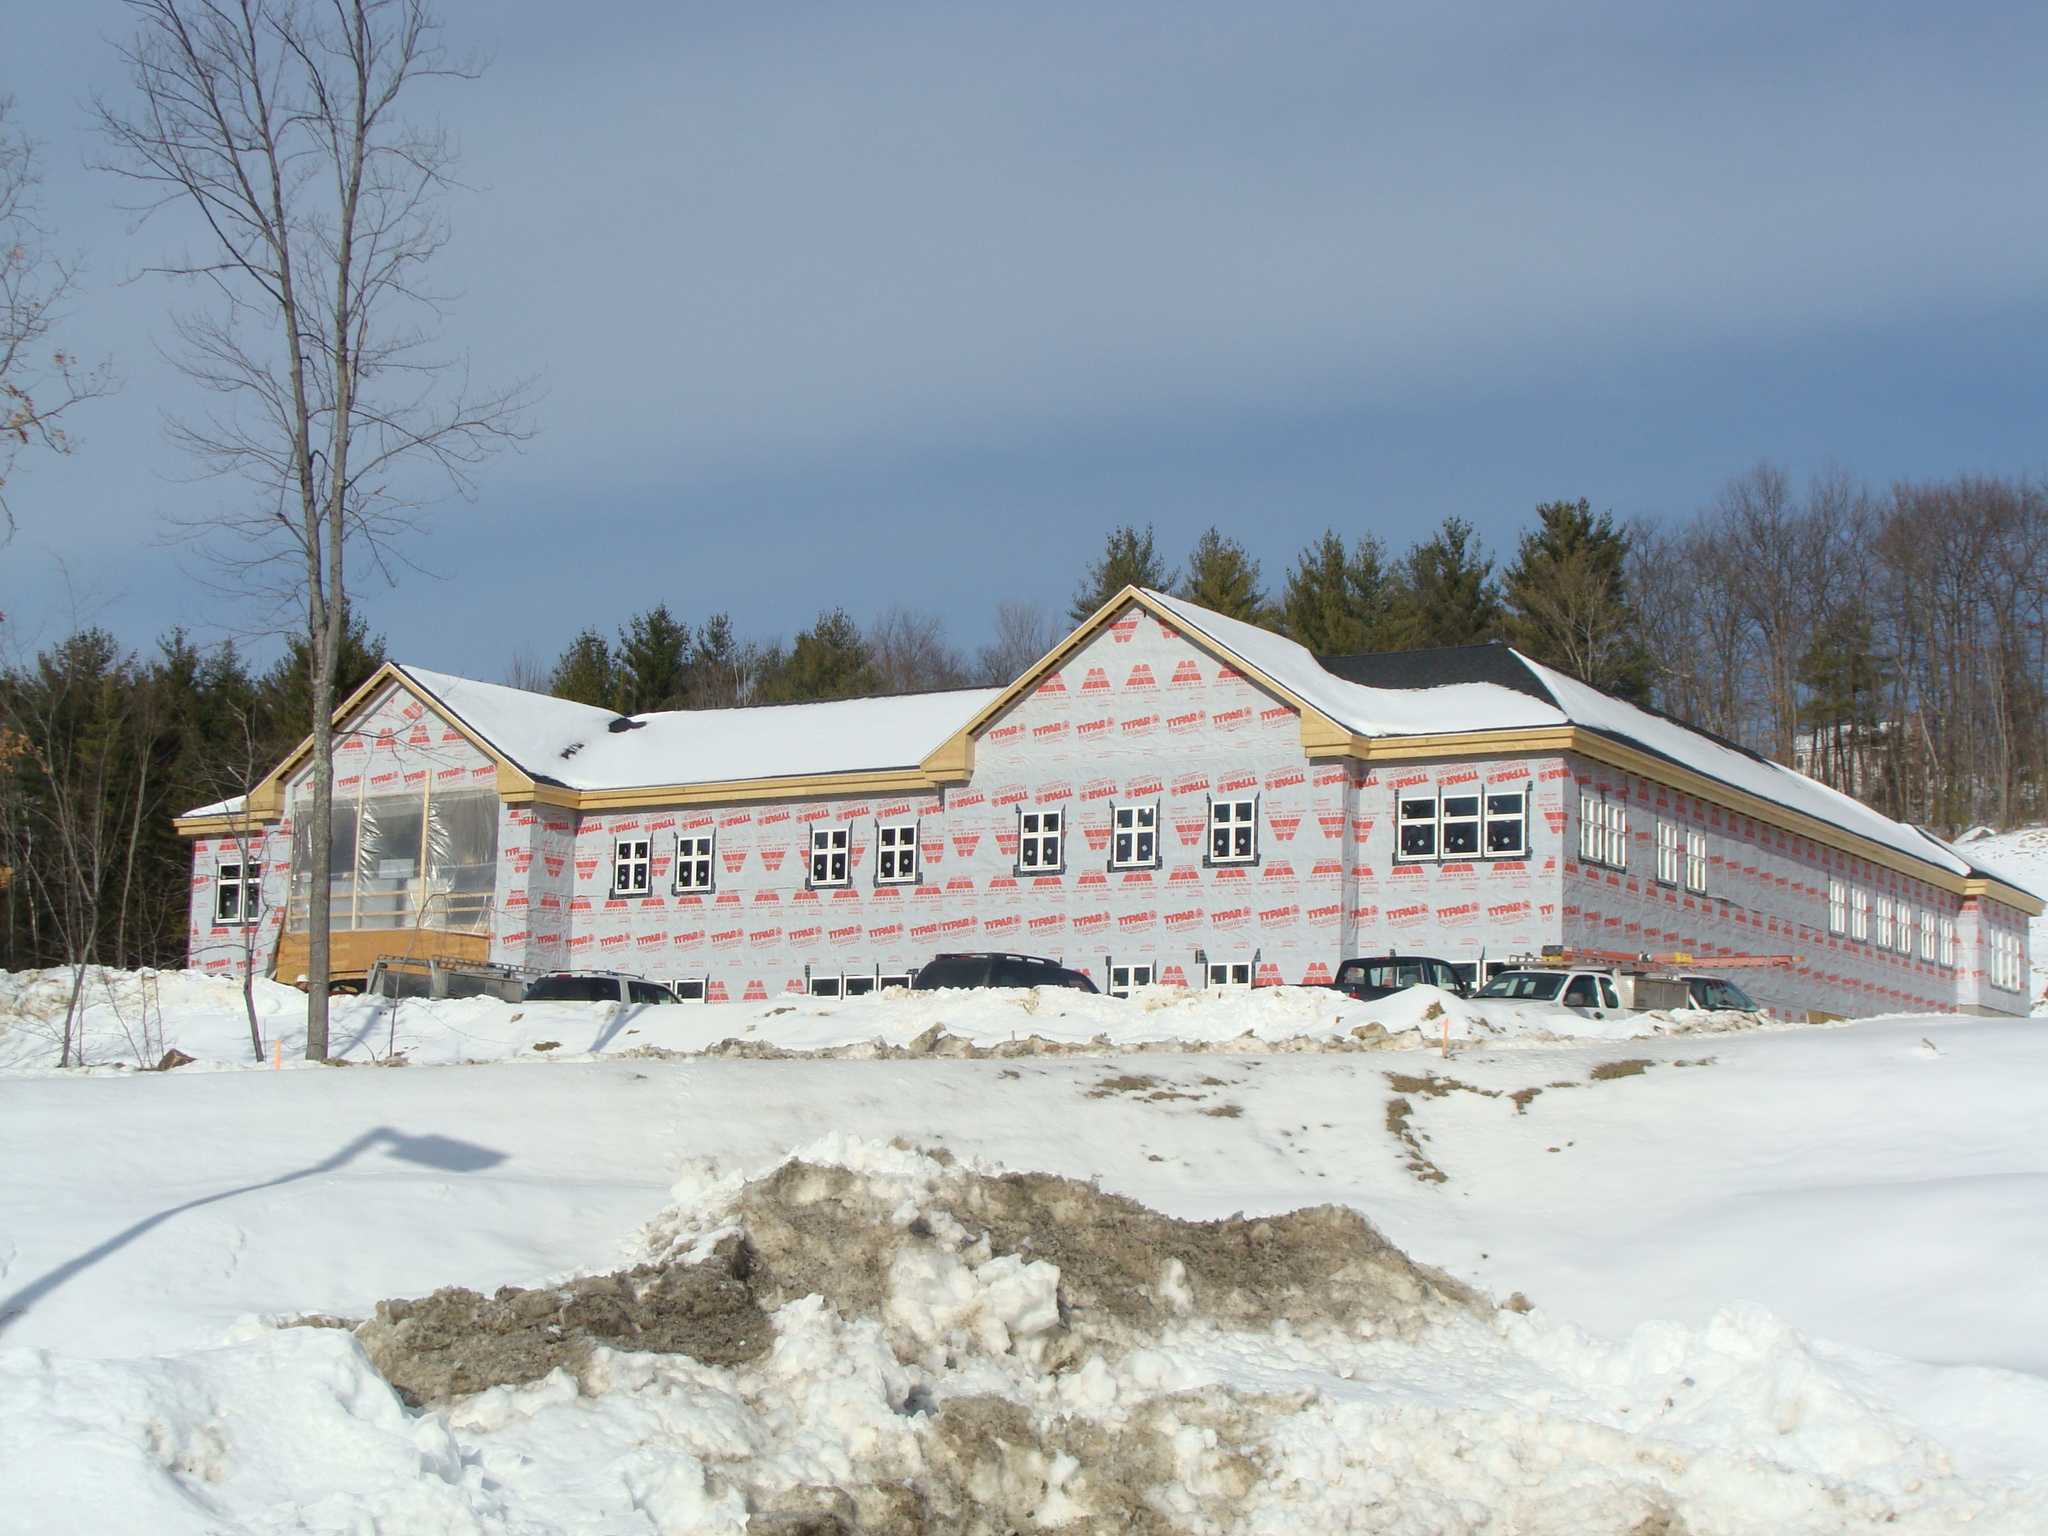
1892,644
100,747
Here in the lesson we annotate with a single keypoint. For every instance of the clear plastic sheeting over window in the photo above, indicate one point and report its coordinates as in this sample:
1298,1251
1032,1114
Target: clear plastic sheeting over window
421,860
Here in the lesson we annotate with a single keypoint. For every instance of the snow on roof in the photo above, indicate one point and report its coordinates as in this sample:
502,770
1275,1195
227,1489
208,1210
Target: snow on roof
1490,706
1355,706
1740,770
225,807
1966,848
700,746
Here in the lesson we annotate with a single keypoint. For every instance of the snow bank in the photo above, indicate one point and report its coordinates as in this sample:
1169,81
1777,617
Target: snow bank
204,1017
967,1383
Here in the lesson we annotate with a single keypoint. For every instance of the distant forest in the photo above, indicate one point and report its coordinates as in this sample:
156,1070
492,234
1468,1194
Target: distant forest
1893,644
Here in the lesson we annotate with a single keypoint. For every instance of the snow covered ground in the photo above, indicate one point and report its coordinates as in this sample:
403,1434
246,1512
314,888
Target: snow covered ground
2022,854
1782,1279
205,1017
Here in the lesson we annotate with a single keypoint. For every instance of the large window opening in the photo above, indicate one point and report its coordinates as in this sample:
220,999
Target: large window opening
424,860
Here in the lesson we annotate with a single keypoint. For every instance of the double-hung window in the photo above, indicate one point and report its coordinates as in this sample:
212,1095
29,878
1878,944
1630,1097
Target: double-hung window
1233,831
237,893
2005,961
693,862
1884,922
831,857
1507,824
1603,831
1838,907
1041,841
1926,933
1905,945
896,853
1859,915
632,869
1415,817
1458,819
1948,943
1230,973
1668,854
1696,863
1134,836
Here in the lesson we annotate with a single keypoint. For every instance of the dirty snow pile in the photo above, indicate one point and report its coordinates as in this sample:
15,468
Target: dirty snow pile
875,1338
132,1017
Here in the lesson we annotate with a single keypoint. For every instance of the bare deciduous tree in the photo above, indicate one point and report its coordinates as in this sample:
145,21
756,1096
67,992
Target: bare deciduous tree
1023,634
279,124
909,652
39,380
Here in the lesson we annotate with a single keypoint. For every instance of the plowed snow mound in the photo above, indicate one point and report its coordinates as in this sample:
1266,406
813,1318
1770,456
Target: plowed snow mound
1030,1263
873,1339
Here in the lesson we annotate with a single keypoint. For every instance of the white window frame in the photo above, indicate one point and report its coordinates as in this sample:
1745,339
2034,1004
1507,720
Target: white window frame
1474,819
1905,945
888,979
1603,831
1137,821
827,984
246,884
1518,818
897,861
2005,961
1227,817
1131,977
1927,933
1696,862
695,851
691,989
1419,813
830,846
1669,854
1041,841
1884,922
633,865
858,984
1229,973
1838,907
1859,915
1946,955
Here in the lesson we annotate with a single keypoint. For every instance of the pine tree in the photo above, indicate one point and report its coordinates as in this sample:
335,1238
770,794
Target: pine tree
828,661
718,665
1338,603
584,672
1129,559
1568,603
1446,592
651,667
1224,579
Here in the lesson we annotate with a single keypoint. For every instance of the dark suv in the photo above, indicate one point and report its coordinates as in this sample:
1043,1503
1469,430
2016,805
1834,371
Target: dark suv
596,987
1372,977
996,970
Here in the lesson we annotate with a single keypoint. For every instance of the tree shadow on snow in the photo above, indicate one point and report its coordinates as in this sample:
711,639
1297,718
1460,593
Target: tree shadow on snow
447,1153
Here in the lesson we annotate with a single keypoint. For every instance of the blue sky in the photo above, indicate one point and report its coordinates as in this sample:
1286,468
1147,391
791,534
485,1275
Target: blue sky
853,306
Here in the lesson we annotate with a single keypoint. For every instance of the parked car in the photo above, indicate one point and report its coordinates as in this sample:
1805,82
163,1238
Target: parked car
993,969
1718,992
1591,992
1372,977
596,987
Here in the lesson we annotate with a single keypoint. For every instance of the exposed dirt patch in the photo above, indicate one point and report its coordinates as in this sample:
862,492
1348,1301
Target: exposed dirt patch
1401,1127
1607,1071
1224,1111
456,1342
1128,1082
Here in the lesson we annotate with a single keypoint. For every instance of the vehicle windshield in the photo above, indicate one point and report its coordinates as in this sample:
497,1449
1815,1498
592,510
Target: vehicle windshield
1524,986
1391,975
